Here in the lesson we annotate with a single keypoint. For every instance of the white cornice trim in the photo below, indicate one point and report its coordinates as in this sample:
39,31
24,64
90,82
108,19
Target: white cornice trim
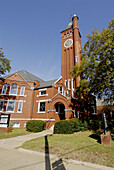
32,119
57,94
42,89
58,80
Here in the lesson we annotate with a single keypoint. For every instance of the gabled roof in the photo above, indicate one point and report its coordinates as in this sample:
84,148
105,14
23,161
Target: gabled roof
46,84
27,76
68,26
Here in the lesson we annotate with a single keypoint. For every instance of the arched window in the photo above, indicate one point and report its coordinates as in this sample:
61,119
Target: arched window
13,88
4,88
22,90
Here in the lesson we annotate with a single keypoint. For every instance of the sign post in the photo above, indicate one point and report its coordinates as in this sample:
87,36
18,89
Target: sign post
4,123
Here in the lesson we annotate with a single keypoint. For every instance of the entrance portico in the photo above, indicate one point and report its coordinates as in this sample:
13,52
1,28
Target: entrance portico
60,108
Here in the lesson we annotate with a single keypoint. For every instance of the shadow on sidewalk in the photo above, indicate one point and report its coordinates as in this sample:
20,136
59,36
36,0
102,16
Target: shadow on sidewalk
57,165
47,157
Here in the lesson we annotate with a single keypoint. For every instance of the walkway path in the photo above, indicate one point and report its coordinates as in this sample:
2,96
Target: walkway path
13,159
14,142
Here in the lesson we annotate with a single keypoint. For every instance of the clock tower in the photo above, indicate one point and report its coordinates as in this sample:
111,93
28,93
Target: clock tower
70,52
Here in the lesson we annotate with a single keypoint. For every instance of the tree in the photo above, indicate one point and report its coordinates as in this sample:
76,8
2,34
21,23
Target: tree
96,68
4,63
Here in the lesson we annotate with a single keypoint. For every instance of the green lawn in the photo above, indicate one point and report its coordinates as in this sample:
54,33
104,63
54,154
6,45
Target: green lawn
15,132
82,146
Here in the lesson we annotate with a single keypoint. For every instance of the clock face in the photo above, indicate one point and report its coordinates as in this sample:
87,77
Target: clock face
68,43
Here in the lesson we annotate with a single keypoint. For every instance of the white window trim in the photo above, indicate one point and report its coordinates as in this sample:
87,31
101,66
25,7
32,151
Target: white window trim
69,84
61,92
16,123
21,106
72,88
7,106
42,89
70,33
3,88
24,91
76,59
58,89
65,83
64,36
10,90
42,94
39,106
3,105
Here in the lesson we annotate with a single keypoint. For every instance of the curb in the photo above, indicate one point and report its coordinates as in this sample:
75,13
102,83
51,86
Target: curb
70,161
87,164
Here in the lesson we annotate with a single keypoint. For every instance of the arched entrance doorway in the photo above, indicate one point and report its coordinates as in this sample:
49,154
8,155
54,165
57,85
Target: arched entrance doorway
60,109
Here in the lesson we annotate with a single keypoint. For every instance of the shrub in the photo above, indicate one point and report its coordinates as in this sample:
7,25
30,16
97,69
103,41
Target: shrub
70,126
95,124
79,125
76,124
83,125
35,125
64,127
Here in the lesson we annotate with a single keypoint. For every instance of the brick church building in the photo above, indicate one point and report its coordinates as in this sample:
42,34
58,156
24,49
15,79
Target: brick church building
25,96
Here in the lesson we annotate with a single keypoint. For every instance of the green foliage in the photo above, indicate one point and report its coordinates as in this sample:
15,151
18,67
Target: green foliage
4,63
95,125
35,125
96,69
64,127
79,125
70,126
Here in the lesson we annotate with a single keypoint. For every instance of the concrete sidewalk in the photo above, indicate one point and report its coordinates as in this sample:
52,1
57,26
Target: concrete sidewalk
20,159
14,142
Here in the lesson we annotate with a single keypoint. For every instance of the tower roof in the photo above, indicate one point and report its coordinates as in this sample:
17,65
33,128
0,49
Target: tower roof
68,26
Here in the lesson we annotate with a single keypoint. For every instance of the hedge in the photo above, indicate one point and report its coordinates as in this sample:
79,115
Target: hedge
79,125
70,126
64,127
76,125
35,125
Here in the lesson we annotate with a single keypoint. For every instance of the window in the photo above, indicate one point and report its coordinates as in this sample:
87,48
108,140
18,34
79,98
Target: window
1,105
20,106
4,88
69,84
72,83
43,93
58,89
13,89
73,95
16,124
67,34
22,90
65,83
10,106
41,107
61,89
70,33
76,59
64,36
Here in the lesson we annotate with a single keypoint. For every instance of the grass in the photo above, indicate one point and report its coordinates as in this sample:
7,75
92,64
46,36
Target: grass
82,146
15,132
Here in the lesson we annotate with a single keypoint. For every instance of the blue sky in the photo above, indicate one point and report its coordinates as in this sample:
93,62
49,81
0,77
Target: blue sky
30,30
